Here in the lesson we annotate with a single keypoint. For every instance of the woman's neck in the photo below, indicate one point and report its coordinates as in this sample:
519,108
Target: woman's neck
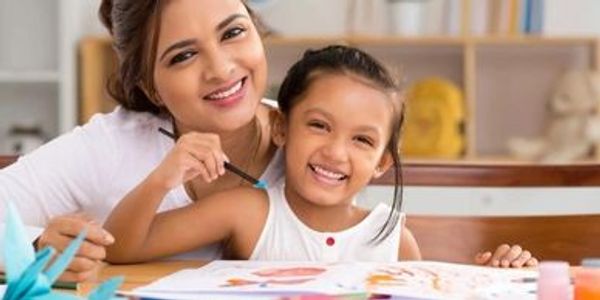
324,218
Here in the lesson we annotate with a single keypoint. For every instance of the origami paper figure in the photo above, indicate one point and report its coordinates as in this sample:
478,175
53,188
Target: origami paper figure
28,275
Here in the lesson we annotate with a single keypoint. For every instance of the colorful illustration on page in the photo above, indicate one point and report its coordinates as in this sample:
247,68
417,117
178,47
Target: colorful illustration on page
265,277
434,280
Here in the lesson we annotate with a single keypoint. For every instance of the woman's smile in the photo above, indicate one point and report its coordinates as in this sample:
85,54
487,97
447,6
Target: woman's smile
229,95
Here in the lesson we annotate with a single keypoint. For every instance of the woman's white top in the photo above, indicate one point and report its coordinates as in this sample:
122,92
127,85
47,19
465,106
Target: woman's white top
285,237
92,168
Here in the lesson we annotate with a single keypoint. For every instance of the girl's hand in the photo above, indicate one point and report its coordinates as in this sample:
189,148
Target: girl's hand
195,154
506,256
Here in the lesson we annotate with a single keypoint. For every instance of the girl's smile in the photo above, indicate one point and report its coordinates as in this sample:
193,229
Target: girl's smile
326,175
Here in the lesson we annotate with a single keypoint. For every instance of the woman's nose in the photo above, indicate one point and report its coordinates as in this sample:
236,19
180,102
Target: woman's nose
219,66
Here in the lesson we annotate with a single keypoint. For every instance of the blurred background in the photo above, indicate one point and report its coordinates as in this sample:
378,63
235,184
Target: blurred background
486,80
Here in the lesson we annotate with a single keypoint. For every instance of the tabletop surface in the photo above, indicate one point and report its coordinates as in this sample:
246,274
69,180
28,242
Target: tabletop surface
138,274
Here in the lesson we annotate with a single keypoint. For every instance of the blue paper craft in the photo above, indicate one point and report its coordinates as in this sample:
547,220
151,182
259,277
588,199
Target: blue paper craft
28,275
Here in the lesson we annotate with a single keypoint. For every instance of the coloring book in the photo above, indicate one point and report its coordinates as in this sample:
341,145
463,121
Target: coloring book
413,280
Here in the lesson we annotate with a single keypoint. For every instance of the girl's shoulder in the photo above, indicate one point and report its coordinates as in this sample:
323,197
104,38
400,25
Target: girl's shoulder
244,197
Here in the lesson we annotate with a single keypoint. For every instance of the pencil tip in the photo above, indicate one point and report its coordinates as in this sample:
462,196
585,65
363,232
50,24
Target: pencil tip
261,185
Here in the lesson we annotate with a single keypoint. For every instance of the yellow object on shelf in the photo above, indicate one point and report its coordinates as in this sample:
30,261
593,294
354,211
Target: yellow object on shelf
434,120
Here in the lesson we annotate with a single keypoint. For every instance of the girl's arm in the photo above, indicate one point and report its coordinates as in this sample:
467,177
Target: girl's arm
409,249
141,234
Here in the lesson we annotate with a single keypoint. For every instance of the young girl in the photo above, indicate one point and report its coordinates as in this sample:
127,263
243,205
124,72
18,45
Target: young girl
339,128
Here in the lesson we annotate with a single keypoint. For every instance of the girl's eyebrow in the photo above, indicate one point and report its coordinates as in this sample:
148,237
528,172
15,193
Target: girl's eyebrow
361,128
185,43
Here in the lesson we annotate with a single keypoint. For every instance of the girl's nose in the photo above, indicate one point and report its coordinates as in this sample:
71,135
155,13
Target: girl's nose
219,66
336,150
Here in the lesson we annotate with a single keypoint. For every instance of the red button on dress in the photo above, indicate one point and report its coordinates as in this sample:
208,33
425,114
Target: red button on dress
330,241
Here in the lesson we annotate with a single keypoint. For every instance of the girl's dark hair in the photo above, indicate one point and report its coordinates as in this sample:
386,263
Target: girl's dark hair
339,59
134,26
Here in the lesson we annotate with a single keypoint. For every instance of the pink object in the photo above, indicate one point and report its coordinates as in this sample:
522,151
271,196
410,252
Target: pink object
554,281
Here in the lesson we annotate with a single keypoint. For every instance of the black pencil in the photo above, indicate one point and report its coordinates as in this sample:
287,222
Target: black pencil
57,284
257,183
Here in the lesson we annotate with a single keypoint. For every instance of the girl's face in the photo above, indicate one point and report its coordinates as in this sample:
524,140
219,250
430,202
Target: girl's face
210,68
335,140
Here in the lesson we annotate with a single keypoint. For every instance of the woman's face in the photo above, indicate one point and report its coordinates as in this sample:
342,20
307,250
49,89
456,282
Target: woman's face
210,68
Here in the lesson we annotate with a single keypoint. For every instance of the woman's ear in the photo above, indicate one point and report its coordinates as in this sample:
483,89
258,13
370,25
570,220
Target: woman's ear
278,127
384,164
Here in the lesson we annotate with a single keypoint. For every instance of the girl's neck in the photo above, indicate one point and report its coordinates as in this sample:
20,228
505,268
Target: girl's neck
324,218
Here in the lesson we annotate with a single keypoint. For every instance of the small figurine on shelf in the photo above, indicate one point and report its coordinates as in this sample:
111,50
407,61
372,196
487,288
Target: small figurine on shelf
24,138
574,126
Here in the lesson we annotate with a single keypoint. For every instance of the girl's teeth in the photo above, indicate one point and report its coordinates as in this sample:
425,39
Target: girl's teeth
329,174
234,89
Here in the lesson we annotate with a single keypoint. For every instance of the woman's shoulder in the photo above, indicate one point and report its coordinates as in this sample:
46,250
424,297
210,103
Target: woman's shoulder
124,120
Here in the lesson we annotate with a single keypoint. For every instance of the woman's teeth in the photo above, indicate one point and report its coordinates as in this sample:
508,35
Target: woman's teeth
327,173
224,94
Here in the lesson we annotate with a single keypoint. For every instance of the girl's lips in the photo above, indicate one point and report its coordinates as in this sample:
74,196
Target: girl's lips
229,96
327,177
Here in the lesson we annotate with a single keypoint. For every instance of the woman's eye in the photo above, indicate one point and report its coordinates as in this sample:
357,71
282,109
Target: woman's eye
229,34
181,57
364,140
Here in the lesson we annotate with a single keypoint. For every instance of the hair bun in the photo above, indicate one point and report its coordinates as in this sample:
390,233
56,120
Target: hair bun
105,13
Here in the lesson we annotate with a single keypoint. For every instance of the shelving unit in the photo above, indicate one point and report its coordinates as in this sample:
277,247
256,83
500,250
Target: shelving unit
506,80
38,40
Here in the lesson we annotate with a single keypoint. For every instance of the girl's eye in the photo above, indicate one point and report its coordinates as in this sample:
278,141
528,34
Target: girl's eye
231,33
183,56
364,140
317,125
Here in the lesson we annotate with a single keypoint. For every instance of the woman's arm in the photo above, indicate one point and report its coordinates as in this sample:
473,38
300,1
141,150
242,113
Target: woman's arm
409,249
50,185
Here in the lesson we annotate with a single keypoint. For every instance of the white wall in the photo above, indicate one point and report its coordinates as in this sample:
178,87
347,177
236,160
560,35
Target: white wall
572,17
489,201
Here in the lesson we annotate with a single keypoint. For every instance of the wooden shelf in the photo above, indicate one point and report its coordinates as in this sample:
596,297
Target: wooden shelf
29,77
433,40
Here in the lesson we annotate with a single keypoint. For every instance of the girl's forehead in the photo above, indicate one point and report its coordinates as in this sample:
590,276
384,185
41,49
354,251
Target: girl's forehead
348,98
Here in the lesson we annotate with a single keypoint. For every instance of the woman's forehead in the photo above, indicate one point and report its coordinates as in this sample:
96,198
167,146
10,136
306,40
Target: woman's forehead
186,17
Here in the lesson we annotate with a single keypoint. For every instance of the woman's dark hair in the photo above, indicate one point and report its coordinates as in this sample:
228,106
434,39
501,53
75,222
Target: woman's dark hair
351,61
134,26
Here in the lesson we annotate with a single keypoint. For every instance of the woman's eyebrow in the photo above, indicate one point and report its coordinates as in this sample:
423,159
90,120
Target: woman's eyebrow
178,45
228,20
185,43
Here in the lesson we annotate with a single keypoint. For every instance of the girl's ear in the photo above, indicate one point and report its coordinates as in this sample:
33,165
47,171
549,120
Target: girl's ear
385,163
278,127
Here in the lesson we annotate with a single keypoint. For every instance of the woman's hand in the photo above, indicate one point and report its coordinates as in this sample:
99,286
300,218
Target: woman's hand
194,154
61,231
506,256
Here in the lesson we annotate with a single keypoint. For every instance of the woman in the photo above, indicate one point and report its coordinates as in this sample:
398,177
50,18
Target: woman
194,67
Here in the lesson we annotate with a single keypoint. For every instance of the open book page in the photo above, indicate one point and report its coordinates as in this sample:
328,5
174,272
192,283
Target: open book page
416,280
